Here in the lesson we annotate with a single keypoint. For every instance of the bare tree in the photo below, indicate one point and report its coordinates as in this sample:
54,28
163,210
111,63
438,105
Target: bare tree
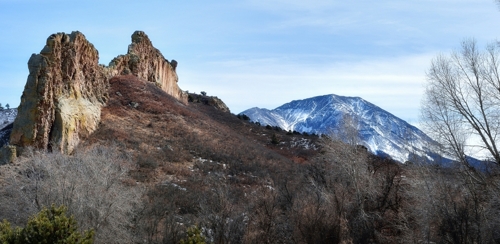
91,183
347,130
462,101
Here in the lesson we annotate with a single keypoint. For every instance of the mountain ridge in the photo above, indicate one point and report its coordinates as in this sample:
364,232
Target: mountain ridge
379,130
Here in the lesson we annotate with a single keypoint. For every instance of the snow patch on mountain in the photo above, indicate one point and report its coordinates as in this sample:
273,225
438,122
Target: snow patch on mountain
7,117
380,131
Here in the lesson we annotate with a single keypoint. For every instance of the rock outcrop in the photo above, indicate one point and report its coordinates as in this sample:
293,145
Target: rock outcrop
146,62
66,88
215,102
63,95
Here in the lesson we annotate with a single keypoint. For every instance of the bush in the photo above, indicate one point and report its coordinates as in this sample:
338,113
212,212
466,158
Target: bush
243,117
274,139
194,236
48,226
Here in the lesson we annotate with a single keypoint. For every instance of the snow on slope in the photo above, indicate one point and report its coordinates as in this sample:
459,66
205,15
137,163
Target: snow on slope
7,117
380,131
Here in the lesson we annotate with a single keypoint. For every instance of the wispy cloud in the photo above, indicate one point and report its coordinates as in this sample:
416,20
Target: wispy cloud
394,84
263,53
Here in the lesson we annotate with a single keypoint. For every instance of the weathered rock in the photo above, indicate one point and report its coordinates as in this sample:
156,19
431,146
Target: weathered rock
146,62
8,154
62,98
215,102
66,88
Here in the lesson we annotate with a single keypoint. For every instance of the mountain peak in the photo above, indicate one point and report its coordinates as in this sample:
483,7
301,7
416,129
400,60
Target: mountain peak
378,130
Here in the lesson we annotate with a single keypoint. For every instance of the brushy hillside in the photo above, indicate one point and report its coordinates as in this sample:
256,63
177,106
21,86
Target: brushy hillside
157,170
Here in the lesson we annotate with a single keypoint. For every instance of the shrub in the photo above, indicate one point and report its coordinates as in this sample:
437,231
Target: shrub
274,139
243,117
48,226
193,236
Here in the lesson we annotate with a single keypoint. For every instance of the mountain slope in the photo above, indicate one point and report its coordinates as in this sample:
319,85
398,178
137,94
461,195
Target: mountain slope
380,131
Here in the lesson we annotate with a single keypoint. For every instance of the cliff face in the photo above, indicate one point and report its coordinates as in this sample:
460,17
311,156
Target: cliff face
66,88
63,94
147,62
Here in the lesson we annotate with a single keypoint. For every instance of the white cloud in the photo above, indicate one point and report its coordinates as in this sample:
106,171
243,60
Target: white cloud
393,84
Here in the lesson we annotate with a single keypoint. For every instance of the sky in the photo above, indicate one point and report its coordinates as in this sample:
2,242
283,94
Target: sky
263,53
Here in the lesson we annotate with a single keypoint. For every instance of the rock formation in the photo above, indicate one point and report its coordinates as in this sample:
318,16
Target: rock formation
215,102
147,62
66,88
63,95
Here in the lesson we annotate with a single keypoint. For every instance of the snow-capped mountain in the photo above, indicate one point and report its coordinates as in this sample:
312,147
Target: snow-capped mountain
380,131
7,117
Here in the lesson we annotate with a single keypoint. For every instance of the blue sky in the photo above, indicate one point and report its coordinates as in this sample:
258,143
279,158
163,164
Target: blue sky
262,53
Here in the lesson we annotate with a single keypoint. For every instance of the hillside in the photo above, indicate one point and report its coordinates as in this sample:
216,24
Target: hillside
195,162
159,130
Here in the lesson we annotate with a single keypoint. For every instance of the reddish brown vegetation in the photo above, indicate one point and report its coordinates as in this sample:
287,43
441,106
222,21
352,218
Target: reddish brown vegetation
201,166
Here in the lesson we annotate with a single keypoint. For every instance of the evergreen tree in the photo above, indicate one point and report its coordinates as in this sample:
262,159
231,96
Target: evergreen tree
194,236
48,226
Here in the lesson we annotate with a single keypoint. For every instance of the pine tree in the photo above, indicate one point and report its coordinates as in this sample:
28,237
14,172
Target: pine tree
48,226
194,236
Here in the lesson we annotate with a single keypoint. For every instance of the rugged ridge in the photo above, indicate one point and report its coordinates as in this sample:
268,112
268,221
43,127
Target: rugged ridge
146,62
66,88
381,132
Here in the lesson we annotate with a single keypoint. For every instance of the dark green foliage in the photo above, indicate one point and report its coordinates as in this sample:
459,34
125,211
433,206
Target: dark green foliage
243,117
147,162
274,139
193,236
48,226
